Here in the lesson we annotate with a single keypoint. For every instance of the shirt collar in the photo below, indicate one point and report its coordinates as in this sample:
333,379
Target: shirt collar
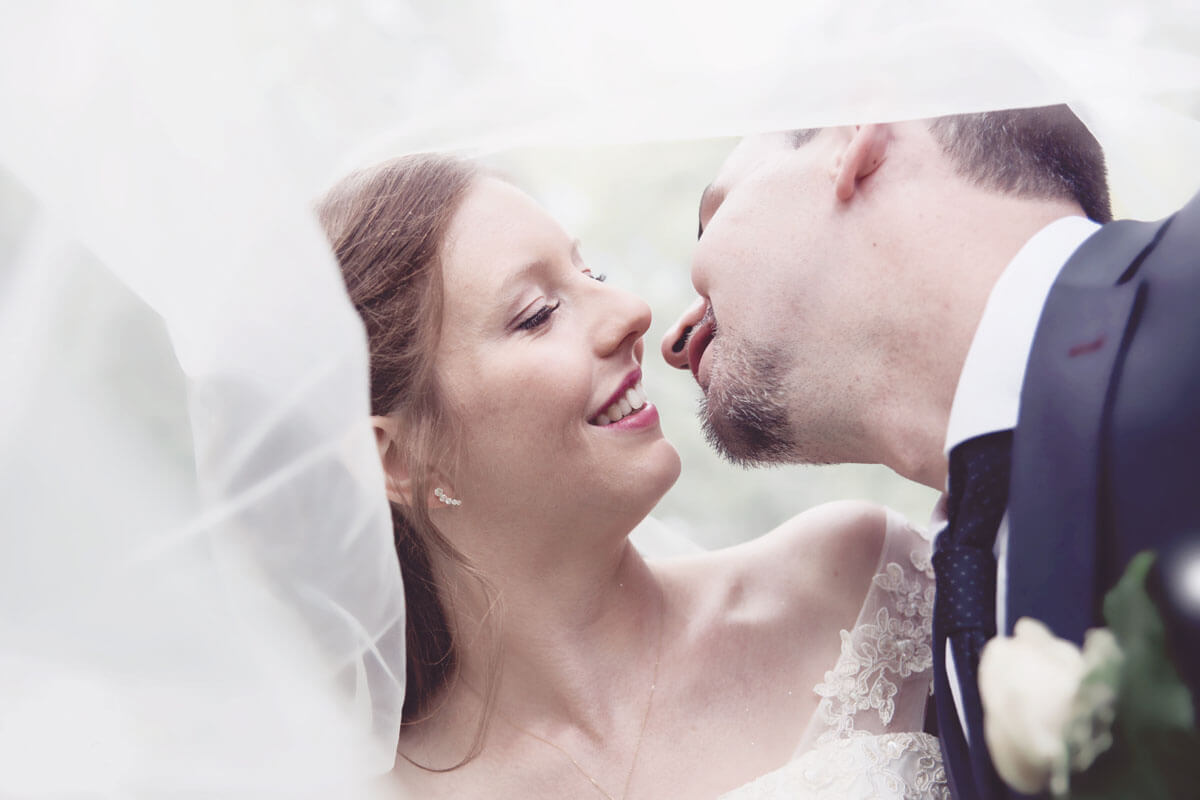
989,388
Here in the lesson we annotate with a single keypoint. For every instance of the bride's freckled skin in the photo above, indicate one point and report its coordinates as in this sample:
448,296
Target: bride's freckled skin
538,350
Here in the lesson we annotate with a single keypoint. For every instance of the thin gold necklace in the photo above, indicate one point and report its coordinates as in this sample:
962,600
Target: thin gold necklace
641,733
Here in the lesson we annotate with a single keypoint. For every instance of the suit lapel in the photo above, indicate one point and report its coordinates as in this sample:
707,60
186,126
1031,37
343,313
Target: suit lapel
1056,489
957,760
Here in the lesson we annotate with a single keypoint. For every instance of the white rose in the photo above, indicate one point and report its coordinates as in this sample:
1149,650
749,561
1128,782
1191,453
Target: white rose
1089,731
1029,685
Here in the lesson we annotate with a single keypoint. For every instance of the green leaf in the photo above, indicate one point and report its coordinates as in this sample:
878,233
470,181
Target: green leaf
1151,694
1156,749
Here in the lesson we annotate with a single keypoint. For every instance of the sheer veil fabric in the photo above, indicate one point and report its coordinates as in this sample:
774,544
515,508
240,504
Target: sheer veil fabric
199,591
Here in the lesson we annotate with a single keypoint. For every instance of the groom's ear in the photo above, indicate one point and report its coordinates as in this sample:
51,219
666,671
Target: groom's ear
396,475
864,150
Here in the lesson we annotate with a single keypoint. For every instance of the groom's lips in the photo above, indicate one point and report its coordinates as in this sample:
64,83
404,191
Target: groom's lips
698,342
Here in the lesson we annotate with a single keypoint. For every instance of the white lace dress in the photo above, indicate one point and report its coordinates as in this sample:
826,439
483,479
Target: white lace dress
865,739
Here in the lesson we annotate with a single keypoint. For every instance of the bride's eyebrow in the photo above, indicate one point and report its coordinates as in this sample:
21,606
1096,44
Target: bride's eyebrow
527,272
521,275
511,295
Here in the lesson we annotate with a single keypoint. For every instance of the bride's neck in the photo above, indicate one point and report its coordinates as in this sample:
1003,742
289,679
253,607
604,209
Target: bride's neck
567,641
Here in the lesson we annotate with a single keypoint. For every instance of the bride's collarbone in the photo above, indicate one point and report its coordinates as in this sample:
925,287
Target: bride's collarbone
740,674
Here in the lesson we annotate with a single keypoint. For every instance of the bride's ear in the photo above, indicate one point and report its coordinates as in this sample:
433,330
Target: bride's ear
862,153
395,466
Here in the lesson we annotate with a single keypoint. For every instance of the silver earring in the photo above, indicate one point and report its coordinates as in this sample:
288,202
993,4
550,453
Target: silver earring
445,498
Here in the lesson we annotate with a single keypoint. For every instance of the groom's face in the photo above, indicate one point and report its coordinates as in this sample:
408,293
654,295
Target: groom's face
772,338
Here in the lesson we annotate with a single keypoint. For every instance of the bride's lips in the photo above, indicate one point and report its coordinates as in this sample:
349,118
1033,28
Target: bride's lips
644,417
628,383
627,408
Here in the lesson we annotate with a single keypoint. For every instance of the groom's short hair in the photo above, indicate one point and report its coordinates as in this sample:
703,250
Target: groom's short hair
1044,153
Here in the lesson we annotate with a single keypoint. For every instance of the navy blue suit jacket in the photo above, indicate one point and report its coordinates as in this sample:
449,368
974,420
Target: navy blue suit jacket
1106,452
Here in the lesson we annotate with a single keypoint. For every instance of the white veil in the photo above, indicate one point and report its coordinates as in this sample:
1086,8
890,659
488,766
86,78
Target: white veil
198,593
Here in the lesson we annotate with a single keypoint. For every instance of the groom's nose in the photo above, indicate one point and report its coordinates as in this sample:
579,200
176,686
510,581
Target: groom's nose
674,343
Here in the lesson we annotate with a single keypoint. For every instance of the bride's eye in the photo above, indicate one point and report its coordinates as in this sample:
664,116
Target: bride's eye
538,318
596,276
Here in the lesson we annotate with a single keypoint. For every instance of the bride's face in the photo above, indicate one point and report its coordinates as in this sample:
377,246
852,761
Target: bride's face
537,356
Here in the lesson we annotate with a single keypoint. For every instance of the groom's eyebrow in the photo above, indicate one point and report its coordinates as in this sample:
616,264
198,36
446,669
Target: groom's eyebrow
711,197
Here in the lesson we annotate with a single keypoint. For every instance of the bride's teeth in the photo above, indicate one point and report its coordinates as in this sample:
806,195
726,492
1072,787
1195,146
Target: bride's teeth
633,400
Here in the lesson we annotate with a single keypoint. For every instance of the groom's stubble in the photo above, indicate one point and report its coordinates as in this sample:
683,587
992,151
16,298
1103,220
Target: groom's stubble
745,412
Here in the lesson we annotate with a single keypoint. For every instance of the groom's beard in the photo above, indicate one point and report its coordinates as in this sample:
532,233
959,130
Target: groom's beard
745,411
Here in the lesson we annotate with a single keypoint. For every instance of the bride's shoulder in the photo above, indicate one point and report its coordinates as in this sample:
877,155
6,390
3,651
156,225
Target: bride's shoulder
826,555
829,547
838,545
829,538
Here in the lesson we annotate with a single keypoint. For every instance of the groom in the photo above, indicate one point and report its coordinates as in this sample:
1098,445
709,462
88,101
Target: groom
949,298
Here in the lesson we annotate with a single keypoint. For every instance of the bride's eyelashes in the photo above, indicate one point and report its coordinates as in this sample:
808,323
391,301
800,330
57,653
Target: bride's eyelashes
542,315
538,318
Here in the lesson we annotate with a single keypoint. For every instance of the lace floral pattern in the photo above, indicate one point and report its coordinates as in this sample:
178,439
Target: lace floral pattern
879,655
893,766
864,740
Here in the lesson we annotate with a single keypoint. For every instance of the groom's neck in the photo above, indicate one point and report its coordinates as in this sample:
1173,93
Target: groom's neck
947,293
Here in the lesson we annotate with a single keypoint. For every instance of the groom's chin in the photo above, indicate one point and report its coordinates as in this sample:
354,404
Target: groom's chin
745,410
744,435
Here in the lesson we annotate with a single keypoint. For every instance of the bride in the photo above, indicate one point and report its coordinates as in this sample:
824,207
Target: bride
546,657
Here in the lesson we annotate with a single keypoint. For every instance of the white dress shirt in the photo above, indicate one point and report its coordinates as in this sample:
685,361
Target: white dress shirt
989,389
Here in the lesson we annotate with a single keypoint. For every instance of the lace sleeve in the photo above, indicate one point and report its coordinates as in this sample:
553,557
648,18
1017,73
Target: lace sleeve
865,739
883,676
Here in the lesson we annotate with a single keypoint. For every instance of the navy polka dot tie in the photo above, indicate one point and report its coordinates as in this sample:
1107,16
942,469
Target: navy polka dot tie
965,604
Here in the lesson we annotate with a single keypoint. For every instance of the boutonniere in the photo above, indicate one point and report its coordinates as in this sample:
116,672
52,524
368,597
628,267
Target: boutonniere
1110,720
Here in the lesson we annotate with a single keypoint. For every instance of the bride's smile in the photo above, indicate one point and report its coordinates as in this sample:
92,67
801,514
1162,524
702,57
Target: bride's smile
541,360
627,405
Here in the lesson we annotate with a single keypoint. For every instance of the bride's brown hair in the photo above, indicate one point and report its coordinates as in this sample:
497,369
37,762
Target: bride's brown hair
387,225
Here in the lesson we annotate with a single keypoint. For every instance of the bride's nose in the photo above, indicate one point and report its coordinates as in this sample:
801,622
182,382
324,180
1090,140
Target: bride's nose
674,343
625,319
